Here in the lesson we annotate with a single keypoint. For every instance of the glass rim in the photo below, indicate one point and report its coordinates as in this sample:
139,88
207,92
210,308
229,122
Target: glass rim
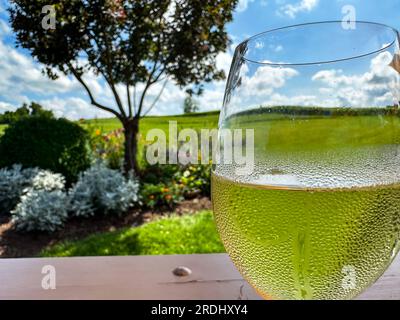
258,35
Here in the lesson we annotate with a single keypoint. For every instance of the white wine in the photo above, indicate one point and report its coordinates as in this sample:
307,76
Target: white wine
308,243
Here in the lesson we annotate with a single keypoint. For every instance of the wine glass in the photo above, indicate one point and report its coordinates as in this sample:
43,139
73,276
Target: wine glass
318,216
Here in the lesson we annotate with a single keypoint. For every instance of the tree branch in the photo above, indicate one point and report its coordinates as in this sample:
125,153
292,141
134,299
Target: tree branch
149,82
116,95
128,96
92,100
134,99
109,78
157,98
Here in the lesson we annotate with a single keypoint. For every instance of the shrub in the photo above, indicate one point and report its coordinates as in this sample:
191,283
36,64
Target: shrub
195,179
102,189
40,210
36,195
55,144
166,185
158,173
108,147
12,183
47,181
160,195
42,206
33,110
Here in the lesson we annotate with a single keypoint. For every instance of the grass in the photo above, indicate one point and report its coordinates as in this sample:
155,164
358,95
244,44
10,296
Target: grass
172,235
206,120
2,128
317,132
196,121
280,133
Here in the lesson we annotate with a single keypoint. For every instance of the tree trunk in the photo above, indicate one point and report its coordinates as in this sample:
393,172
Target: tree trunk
131,128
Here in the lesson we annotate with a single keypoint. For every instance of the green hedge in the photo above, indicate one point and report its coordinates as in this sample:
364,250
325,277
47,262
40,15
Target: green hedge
58,145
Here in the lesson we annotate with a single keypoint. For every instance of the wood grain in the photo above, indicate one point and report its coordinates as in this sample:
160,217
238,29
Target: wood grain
213,277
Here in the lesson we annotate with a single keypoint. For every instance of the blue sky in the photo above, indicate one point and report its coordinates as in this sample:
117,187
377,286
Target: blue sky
21,79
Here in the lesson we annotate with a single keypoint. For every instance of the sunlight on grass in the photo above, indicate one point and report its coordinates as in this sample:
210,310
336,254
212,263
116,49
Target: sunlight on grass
195,121
172,235
2,128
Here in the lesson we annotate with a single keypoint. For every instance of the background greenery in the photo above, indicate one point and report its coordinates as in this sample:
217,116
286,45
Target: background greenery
165,186
172,235
202,120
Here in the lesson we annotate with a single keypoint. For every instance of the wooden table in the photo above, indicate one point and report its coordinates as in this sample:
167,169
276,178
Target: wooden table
145,277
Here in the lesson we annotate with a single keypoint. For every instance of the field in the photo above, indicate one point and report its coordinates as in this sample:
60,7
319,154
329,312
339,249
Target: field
196,121
283,132
290,133
299,133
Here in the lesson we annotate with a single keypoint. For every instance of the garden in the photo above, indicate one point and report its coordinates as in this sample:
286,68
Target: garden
63,191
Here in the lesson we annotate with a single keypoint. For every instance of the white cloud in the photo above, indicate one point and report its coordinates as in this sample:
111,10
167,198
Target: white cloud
266,79
270,86
291,10
376,87
2,6
243,5
258,88
4,106
213,97
21,78
276,48
73,108
326,90
20,75
223,61
4,28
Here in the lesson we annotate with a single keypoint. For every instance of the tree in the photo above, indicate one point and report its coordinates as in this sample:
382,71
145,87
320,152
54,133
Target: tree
34,109
37,110
189,105
127,43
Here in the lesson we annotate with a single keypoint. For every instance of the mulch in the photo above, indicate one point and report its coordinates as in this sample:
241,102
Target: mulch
14,244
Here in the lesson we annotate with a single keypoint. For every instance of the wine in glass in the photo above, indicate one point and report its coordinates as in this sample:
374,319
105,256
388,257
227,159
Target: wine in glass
319,215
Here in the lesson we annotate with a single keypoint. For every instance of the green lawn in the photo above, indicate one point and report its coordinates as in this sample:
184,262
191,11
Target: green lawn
284,133
280,134
173,235
202,120
2,128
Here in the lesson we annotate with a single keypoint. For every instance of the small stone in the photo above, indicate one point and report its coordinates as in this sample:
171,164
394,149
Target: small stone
181,271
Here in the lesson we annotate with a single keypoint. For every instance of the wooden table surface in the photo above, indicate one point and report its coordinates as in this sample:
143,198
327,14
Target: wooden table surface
145,277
